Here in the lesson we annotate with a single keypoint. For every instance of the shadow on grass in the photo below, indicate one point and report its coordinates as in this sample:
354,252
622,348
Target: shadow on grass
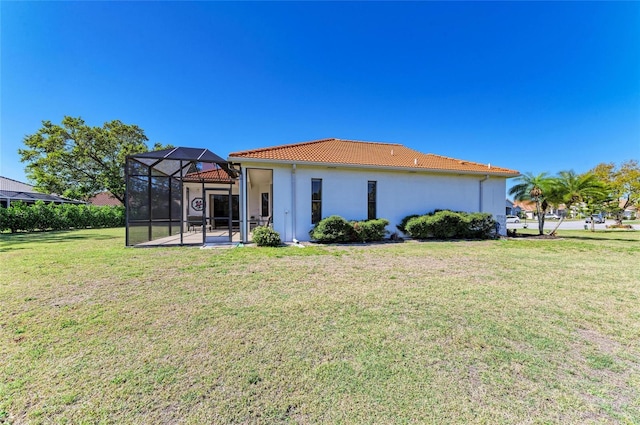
56,236
598,235
596,238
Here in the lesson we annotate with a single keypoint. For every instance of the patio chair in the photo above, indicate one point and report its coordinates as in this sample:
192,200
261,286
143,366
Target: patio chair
194,222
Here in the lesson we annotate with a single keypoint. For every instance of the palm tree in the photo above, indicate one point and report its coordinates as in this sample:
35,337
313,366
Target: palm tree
534,188
570,188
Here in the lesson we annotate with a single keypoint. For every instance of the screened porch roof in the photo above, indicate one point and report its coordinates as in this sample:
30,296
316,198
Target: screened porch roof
176,162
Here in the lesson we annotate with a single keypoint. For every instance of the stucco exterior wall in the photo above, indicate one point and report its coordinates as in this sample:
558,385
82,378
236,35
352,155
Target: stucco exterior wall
400,193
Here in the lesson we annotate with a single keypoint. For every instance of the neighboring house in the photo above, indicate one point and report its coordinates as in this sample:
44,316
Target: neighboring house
294,186
630,212
13,190
528,208
104,199
511,208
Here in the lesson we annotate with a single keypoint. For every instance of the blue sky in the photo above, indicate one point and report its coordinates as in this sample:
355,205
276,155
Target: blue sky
531,86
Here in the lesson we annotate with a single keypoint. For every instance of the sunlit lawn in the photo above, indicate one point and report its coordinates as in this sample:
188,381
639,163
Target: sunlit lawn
507,331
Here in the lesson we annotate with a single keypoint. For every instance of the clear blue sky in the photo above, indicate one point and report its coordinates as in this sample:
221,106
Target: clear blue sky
532,86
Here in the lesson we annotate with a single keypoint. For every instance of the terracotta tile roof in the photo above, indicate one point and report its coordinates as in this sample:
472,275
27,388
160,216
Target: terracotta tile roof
352,152
216,175
103,199
525,205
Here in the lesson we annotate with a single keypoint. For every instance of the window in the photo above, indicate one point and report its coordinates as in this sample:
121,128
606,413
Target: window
265,204
371,200
316,200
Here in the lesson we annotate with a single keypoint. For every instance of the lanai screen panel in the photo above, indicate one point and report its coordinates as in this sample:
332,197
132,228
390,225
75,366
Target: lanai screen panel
154,190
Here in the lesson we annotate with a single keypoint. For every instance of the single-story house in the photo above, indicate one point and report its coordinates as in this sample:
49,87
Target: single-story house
176,194
14,191
294,186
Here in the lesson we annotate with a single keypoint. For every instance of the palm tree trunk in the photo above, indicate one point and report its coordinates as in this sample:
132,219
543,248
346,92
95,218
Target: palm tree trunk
540,218
555,229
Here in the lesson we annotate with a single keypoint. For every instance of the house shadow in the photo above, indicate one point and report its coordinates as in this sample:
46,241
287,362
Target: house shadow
55,236
595,238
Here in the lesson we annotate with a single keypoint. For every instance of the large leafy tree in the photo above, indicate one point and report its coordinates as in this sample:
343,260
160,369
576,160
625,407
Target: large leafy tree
569,188
76,160
623,182
536,188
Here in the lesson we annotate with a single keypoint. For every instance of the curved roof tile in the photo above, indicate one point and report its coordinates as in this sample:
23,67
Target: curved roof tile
358,153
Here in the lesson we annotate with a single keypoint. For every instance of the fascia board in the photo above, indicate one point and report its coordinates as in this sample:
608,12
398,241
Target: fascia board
376,167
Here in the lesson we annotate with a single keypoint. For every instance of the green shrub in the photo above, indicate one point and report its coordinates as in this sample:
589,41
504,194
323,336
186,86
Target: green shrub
448,225
8,220
333,229
479,226
451,225
370,230
420,227
266,236
403,224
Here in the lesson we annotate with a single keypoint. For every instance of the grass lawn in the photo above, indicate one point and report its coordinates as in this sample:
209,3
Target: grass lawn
496,332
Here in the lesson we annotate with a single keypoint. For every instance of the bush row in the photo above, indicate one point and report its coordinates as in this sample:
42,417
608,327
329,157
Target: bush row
447,224
335,229
41,216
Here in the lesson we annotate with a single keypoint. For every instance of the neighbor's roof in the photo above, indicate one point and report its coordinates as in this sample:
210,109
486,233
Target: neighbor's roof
104,199
14,185
525,205
13,190
31,197
366,154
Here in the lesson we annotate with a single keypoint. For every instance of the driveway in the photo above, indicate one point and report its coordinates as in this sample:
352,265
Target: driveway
566,225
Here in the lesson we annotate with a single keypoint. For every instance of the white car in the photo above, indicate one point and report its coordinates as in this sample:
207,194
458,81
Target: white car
513,219
596,219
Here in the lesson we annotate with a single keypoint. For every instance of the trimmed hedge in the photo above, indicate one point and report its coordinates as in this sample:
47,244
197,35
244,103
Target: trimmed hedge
266,236
403,224
41,216
370,230
335,229
447,224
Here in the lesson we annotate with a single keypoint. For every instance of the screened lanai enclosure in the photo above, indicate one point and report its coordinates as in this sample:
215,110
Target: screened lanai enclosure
181,196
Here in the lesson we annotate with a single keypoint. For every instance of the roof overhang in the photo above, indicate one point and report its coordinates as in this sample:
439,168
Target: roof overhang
372,167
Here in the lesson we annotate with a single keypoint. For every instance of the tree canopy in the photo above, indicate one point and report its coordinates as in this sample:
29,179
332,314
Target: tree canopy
623,183
77,161
569,188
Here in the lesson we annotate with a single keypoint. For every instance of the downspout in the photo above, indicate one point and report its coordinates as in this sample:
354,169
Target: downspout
481,193
293,201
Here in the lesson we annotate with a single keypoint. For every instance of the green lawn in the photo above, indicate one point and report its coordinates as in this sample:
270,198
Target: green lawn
494,332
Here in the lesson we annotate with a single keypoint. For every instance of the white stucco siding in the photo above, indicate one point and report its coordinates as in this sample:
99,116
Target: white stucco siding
282,202
494,191
399,193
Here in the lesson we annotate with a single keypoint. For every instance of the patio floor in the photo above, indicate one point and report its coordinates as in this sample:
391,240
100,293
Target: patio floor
214,237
